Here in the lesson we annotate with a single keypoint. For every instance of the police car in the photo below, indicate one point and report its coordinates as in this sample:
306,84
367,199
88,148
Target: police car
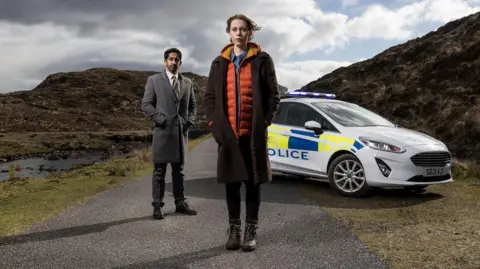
316,135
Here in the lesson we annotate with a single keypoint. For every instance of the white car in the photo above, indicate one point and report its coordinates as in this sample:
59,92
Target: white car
315,135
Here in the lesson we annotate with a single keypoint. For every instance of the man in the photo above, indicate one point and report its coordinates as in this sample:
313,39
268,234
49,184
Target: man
169,101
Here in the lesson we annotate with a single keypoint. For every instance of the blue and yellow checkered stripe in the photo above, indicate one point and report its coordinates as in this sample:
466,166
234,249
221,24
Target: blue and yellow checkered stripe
329,142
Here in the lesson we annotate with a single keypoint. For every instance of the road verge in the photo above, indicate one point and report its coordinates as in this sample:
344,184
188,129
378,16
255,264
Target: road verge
29,201
439,228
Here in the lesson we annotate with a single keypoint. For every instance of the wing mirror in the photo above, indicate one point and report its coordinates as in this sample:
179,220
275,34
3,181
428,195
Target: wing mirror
314,126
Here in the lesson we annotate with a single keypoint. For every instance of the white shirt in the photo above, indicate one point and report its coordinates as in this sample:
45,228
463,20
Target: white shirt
170,76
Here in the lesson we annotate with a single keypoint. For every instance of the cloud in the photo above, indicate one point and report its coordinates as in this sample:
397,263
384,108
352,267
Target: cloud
295,74
378,21
39,37
37,50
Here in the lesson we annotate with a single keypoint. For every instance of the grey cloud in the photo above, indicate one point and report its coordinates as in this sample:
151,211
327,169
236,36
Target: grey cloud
80,63
92,18
59,11
203,51
183,21
34,11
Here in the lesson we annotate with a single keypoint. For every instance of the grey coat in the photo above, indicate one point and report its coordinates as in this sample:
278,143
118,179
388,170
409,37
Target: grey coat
171,116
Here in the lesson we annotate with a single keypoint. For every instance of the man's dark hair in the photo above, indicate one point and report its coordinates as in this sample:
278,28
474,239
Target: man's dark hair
174,50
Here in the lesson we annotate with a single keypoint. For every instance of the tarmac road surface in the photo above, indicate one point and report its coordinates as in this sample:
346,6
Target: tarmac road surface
116,230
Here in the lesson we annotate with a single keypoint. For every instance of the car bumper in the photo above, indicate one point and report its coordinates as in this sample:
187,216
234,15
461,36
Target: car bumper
403,170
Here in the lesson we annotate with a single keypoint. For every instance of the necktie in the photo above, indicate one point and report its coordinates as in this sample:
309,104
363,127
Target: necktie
175,85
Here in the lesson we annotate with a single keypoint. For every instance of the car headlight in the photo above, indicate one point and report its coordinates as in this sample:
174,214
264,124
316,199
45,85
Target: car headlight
381,145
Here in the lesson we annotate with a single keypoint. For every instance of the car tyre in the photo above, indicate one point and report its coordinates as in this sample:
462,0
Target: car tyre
353,172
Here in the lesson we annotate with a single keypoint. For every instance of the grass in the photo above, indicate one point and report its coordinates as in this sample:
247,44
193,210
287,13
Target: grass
14,144
29,201
436,229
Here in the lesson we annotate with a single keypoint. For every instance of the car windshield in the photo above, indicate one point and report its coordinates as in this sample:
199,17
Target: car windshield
352,115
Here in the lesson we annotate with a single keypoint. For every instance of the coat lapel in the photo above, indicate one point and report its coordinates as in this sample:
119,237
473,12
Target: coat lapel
183,86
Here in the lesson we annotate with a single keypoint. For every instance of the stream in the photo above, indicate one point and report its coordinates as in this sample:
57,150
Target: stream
39,167
42,166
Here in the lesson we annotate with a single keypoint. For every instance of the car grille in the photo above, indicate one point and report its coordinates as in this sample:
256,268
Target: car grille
431,159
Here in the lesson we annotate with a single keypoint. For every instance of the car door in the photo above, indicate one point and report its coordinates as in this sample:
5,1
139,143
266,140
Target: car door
275,135
298,149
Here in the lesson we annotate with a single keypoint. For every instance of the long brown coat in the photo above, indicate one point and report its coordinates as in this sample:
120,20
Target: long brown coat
230,166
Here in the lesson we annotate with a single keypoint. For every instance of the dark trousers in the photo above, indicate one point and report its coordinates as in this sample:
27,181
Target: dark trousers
158,183
253,191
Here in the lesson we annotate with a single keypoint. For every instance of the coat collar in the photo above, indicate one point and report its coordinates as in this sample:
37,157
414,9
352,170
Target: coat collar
253,50
164,75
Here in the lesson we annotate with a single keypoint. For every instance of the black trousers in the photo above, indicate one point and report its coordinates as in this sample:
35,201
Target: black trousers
253,191
158,183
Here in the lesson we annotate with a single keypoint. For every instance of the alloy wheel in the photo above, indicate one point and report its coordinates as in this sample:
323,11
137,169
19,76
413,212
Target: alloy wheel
349,176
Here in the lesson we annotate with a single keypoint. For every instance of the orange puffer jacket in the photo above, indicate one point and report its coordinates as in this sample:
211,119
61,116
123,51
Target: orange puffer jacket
240,118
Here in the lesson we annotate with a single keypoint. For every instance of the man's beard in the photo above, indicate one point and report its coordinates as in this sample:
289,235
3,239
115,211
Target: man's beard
173,67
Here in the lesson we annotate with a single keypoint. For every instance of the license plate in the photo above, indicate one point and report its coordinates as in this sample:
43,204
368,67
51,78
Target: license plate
434,171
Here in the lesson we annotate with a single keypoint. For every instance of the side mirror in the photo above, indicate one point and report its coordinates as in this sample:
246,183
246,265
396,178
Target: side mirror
314,126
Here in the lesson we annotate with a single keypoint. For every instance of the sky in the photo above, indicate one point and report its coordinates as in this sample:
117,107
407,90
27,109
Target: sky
306,38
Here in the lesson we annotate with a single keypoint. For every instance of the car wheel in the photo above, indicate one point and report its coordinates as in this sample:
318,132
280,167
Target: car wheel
347,176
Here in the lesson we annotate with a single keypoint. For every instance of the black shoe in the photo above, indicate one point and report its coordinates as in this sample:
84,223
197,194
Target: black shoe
158,213
234,237
184,208
250,237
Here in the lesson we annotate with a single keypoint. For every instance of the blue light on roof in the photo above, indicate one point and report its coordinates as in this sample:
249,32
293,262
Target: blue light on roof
312,94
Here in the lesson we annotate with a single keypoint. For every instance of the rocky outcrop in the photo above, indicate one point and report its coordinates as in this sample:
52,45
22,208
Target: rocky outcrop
97,99
92,100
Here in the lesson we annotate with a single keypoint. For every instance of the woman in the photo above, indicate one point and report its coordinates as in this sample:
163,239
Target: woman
240,102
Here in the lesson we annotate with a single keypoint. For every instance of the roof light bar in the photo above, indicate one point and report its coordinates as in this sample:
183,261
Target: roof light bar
311,94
